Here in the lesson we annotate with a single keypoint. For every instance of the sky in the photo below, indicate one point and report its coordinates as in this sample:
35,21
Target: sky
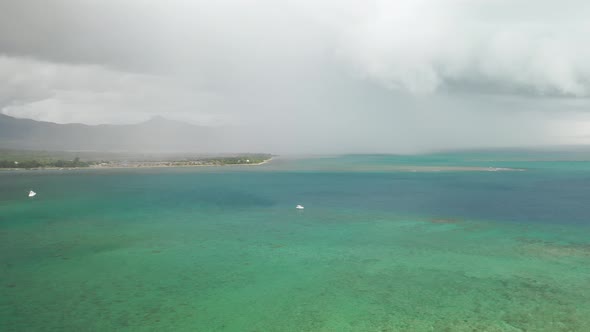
308,76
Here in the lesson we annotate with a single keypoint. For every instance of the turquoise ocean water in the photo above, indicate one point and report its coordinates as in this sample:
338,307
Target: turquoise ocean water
385,243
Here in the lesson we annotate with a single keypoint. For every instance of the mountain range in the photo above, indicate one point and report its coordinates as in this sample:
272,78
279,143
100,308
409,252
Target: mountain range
155,135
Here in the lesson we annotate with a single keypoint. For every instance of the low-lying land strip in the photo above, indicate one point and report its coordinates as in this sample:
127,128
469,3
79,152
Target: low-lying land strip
16,159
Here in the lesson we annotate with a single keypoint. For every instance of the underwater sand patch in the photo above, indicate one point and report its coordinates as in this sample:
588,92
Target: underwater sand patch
552,249
444,221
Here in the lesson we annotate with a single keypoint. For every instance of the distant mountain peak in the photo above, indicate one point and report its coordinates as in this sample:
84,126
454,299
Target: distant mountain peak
158,118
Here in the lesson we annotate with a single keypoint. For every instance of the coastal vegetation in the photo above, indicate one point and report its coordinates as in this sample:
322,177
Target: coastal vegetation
238,160
25,159
34,163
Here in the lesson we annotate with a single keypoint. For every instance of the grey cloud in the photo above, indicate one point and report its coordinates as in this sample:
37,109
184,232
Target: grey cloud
421,45
94,94
418,46
306,75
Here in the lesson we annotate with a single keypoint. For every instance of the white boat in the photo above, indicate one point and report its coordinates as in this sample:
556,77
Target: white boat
299,207
32,193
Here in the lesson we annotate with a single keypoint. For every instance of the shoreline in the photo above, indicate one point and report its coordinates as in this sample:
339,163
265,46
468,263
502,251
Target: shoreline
382,168
402,169
94,167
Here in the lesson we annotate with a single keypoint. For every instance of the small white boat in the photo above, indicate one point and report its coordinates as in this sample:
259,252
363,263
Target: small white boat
32,193
300,207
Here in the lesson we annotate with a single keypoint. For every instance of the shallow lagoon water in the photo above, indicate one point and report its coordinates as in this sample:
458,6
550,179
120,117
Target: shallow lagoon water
224,249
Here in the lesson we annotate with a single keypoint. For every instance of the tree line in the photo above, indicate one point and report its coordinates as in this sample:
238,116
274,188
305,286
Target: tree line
45,163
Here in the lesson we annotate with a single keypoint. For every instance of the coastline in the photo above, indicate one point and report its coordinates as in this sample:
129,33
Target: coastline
216,164
167,165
